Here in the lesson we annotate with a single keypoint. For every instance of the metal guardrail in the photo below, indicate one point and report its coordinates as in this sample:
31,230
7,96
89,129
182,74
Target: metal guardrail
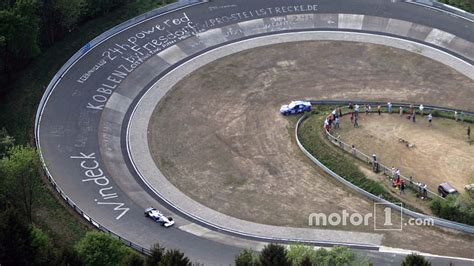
60,74
367,159
437,221
444,8
83,51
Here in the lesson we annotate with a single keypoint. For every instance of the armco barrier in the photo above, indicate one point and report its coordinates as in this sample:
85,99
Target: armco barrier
78,55
437,221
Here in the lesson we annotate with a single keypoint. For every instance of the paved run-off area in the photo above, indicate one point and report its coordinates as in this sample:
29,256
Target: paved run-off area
219,138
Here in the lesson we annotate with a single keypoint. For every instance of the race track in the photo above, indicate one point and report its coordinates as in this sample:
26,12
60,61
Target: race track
91,137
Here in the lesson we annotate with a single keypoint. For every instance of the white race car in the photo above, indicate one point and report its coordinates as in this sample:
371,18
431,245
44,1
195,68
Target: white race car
158,217
295,107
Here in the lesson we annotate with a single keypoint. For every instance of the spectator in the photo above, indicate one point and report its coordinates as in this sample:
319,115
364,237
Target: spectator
379,109
336,122
353,149
421,109
462,116
392,172
413,117
356,121
469,134
356,110
401,110
351,106
397,173
389,106
402,187
430,118
455,116
339,110
411,109
366,109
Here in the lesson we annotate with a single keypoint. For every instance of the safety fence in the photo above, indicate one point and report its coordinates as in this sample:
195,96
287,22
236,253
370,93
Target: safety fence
436,221
467,116
116,30
60,74
380,167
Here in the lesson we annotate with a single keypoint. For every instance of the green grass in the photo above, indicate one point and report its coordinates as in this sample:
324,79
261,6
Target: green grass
18,107
311,136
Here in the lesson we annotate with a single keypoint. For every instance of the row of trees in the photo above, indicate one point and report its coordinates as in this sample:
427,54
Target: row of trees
22,242
299,255
29,26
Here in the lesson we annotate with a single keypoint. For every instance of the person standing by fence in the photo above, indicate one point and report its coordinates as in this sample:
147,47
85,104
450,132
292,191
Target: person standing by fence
389,107
421,109
469,134
379,109
401,110
455,115
402,187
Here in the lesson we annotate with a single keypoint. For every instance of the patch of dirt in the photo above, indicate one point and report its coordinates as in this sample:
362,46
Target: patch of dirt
218,136
441,152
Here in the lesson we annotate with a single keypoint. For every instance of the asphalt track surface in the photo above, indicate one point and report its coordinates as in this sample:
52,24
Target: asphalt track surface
74,137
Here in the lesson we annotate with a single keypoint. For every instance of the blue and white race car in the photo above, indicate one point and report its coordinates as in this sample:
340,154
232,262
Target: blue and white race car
158,217
295,107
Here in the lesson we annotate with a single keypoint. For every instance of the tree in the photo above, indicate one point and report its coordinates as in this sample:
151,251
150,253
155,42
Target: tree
69,257
6,142
174,257
133,259
19,31
247,257
306,261
20,178
60,16
340,256
97,248
155,256
296,253
415,260
15,239
43,247
274,254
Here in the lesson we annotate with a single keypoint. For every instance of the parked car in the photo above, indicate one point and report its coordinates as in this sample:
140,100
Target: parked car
446,189
158,217
295,107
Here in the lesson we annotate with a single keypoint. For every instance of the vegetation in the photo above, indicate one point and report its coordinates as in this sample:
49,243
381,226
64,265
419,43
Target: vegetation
247,257
467,5
311,136
35,228
274,254
455,208
28,27
415,260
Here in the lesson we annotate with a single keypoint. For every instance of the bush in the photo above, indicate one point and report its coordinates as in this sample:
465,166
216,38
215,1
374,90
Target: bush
455,208
415,260
273,254
247,257
97,248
